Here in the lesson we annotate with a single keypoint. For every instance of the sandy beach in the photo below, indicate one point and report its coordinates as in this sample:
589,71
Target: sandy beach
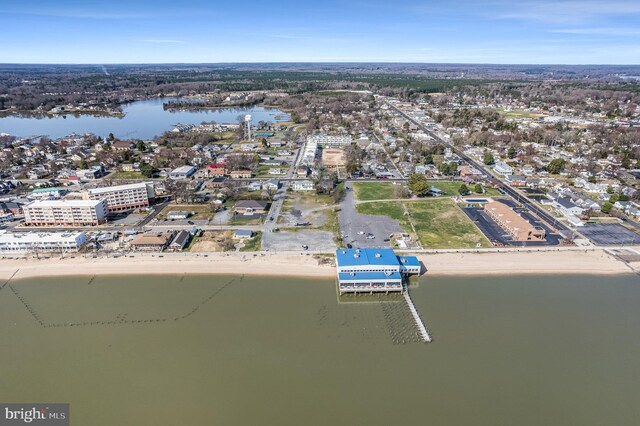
449,264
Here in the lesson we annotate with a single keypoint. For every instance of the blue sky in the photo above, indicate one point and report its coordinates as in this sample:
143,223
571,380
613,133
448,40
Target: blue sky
466,31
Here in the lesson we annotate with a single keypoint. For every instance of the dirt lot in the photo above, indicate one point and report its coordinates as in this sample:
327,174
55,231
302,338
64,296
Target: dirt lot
333,157
209,242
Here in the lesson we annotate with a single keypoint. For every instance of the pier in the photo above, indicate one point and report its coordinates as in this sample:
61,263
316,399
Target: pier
423,330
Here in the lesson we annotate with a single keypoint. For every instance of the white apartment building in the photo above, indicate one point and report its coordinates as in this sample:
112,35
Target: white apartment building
17,243
123,197
309,153
325,140
65,213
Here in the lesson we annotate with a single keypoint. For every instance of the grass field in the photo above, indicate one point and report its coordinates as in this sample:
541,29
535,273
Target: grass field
451,188
366,191
126,175
439,223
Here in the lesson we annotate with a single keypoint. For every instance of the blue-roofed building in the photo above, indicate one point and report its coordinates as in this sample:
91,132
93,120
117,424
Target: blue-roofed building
373,270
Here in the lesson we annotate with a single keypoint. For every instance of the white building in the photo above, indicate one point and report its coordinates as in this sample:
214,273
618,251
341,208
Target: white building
182,172
124,197
503,168
325,140
309,153
302,185
65,213
17,243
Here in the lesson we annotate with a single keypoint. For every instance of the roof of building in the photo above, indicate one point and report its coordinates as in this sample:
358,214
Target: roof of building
42,190
409,260
119,187
244,233
40,237
181,239
65,203
252,204
367,256
566,203
183,169
508,214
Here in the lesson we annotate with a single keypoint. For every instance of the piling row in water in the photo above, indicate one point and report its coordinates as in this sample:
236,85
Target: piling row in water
400,325
421,327
26,304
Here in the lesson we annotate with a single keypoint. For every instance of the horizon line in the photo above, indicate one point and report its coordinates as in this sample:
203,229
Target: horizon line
324,62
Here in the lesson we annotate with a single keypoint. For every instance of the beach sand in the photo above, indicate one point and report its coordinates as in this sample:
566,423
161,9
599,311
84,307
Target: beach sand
302,265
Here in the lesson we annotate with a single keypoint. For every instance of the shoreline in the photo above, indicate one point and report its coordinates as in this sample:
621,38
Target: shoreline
592,262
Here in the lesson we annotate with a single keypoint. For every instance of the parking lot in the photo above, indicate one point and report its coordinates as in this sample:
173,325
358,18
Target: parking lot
352,222
293,241
609,234
498,236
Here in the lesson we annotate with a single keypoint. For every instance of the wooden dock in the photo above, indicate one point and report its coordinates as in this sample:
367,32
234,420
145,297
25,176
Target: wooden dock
424,334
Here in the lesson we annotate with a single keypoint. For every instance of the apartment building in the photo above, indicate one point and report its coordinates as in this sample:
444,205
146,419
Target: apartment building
19,243
65,213
124,197
325,140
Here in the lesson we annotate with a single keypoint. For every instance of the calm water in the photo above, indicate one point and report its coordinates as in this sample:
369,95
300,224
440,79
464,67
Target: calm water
232,351
144,120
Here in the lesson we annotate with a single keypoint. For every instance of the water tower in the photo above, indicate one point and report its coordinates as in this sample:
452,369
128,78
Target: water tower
247,119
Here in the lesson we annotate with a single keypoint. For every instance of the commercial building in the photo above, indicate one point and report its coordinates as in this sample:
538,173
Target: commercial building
251,207
65,213
376,270
19,243
325,140
182,172
124,197
518,227
155,241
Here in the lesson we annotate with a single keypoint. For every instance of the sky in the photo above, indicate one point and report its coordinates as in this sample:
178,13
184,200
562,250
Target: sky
213,31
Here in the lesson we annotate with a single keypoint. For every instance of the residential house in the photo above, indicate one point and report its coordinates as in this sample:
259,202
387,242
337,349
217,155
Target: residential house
180,241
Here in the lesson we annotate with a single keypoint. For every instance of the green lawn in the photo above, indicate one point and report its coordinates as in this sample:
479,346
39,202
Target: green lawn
451,188
366,191
439,223
254,243
126,175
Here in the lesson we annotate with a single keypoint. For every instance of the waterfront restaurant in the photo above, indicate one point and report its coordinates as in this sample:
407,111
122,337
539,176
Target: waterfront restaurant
373,270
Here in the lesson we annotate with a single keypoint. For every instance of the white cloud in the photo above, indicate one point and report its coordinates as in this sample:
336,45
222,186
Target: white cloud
599,31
